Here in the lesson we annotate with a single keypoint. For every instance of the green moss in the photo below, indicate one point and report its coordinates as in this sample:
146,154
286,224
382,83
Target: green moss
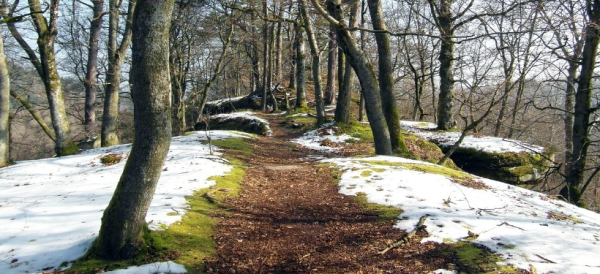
366,173
238,144
69,149
188,241
361,131
434,169
424,150
111,159
384,213
474,258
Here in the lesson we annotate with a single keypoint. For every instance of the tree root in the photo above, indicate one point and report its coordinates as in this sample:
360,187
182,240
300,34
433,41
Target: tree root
408,236
210,195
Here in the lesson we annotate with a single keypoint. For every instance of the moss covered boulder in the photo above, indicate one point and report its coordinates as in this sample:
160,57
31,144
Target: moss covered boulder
240,121
501,159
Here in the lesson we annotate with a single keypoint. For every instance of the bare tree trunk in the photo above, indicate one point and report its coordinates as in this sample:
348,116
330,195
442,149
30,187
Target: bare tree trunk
366,75
570,108
265,87
314,51
47,31
4,106
278,47
91,74
386,78
123,222
300,67
444,21
116,57
583,110
343,112
332,60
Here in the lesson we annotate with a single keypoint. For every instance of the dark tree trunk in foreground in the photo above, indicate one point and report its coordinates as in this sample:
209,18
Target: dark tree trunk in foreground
386,78
332,60
4,106
366,75
91,74
116,56
123,223
583,110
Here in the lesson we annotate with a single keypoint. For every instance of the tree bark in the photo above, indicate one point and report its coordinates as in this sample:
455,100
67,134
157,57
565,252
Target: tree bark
314,52
366,75
91,74
265,88
300,67
47,31
4,106
123,224
116,57
343,112
445,24
583,97
332,60
386,78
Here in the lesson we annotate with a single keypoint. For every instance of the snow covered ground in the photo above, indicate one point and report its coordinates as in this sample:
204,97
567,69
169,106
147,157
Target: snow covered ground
314,139
524,227
530,230
50,209
483,143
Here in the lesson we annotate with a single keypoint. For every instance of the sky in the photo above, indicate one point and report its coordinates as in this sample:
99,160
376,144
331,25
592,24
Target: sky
50,209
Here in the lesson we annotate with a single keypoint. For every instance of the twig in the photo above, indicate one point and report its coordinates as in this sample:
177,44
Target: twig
505,223
408,236
539,256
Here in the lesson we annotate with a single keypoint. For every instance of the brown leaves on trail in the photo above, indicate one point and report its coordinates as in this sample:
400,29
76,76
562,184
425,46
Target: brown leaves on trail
290,218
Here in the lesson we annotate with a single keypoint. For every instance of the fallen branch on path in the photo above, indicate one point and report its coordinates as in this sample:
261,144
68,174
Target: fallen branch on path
408,236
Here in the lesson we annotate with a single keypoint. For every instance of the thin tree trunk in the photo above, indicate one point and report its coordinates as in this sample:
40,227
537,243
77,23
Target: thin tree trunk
570,108
47,31
4,106
300,67
35,114
332,60
91,74
265,87
123,222
278,47
343,112
314,51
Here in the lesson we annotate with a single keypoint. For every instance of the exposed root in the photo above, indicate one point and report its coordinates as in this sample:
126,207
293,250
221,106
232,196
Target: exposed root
408,236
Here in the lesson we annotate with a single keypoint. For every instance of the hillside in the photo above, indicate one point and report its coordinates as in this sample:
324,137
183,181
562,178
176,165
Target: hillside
289,203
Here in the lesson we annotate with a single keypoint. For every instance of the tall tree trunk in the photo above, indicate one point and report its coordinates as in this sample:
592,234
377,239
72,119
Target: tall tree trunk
4,106
279,47
583,97
343,113
47,31
366,75
116,57
91,74
332,60
445,114
300,67
570,108
265,87
314,52
386,78
123,222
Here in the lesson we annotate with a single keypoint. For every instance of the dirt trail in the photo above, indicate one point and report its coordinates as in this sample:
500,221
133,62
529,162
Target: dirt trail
290,218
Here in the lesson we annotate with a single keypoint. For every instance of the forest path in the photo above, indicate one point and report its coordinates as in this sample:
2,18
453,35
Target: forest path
290,218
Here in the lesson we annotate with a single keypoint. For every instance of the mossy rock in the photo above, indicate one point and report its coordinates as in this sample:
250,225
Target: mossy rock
509,167
235,123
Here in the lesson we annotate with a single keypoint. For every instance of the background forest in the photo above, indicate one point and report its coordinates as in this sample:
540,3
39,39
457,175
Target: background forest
517,69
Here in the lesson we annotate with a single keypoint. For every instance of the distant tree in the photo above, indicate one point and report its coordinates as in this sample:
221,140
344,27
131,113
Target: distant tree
4,106
364,71
116,56
316,59
91,70
123,222
46,66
